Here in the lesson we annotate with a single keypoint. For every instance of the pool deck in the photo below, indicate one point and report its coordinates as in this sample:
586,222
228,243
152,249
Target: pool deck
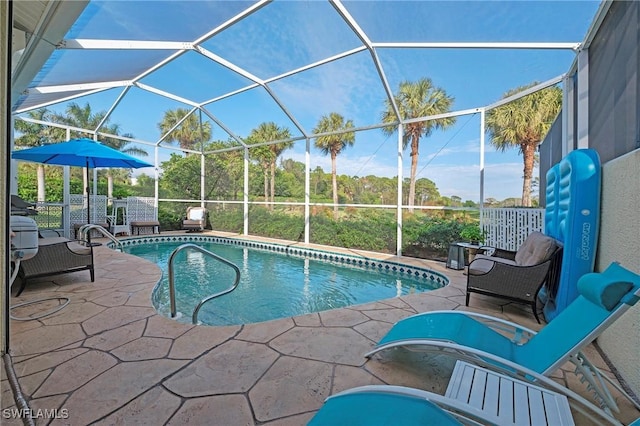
109,359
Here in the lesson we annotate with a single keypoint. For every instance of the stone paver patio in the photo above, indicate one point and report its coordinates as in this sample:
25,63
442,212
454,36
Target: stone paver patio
109,359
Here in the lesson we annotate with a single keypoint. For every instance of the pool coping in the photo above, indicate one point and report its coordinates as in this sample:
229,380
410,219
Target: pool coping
435,279
359,260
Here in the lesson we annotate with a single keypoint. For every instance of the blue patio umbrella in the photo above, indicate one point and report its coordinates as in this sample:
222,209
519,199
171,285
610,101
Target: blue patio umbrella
81,153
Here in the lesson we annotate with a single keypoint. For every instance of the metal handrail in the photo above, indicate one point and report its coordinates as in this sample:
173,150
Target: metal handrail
85,229
172,286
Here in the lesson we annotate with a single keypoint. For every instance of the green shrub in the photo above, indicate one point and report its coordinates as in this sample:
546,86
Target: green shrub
472,233
169,220
424,236
361,231
276,224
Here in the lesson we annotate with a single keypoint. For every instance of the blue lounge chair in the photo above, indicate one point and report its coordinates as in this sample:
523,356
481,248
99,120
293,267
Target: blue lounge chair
486,398
396,405
374,405
483,340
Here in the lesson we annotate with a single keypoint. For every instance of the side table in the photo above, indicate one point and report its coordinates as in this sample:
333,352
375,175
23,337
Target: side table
514,401
456,258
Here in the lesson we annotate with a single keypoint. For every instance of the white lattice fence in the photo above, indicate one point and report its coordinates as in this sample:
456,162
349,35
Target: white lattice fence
141,209
78,211
508,228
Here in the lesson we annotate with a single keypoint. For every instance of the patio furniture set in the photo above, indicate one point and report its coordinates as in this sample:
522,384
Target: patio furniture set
502,374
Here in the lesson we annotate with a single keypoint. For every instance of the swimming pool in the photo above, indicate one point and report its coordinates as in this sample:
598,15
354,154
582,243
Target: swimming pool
277,281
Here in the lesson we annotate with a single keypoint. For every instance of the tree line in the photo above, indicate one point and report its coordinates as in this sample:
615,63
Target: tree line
521,124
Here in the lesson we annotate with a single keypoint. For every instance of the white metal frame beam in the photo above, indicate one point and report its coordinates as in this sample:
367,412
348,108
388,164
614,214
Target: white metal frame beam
479,45
551,82
55,22
182,47
98,85
568,114
582,105
102,44
353,24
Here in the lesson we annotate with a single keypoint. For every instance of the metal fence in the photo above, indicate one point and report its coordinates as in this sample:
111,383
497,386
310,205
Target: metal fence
52,215
505,228
49,216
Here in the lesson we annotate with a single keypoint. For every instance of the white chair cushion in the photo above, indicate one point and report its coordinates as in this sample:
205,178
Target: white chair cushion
196,214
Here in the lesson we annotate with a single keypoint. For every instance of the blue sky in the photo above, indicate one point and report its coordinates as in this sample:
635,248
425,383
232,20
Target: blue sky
286,35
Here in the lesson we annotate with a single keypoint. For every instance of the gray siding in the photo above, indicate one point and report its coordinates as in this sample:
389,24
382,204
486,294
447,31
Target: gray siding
614,89
550,153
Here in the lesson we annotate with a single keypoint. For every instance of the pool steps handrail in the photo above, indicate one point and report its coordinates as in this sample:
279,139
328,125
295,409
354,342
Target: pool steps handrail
86,229
172,286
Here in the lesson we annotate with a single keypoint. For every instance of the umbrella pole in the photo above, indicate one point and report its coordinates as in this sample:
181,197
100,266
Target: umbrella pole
88,190
88,204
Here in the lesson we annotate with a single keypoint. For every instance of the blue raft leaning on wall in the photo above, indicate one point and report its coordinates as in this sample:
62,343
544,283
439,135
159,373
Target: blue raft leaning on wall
572,216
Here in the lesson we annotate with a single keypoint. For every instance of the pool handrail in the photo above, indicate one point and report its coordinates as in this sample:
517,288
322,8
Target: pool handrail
172,286
85,231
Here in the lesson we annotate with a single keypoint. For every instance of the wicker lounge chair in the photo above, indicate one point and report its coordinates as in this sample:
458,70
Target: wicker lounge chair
56,255
517,276
196,219
20,207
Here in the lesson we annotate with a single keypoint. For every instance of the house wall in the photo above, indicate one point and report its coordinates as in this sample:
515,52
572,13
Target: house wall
620,242
614,131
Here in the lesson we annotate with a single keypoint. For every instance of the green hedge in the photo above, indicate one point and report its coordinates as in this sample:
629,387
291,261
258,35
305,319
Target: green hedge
426,236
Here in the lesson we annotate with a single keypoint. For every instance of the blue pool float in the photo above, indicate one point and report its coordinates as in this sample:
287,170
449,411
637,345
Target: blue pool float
572,216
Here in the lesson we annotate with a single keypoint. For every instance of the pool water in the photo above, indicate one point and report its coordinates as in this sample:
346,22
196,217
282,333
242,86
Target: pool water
272,285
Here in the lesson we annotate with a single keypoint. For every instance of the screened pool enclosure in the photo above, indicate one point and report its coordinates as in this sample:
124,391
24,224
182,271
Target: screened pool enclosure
233,66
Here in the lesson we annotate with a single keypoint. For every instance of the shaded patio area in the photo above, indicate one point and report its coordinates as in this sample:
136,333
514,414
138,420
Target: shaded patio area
108,357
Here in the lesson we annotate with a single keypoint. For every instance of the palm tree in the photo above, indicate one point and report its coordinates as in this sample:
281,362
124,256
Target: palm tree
33,134
190,133
262,154
84,118
334,144
267,132
523,123
415,100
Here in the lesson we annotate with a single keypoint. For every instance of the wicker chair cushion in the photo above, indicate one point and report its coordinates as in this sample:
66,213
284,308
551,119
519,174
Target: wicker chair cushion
52,240
74,247
536,249
482,264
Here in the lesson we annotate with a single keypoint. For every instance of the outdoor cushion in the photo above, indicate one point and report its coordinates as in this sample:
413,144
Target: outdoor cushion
482,263
78,249
52,240
536,249
73,246
196,214
603,293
